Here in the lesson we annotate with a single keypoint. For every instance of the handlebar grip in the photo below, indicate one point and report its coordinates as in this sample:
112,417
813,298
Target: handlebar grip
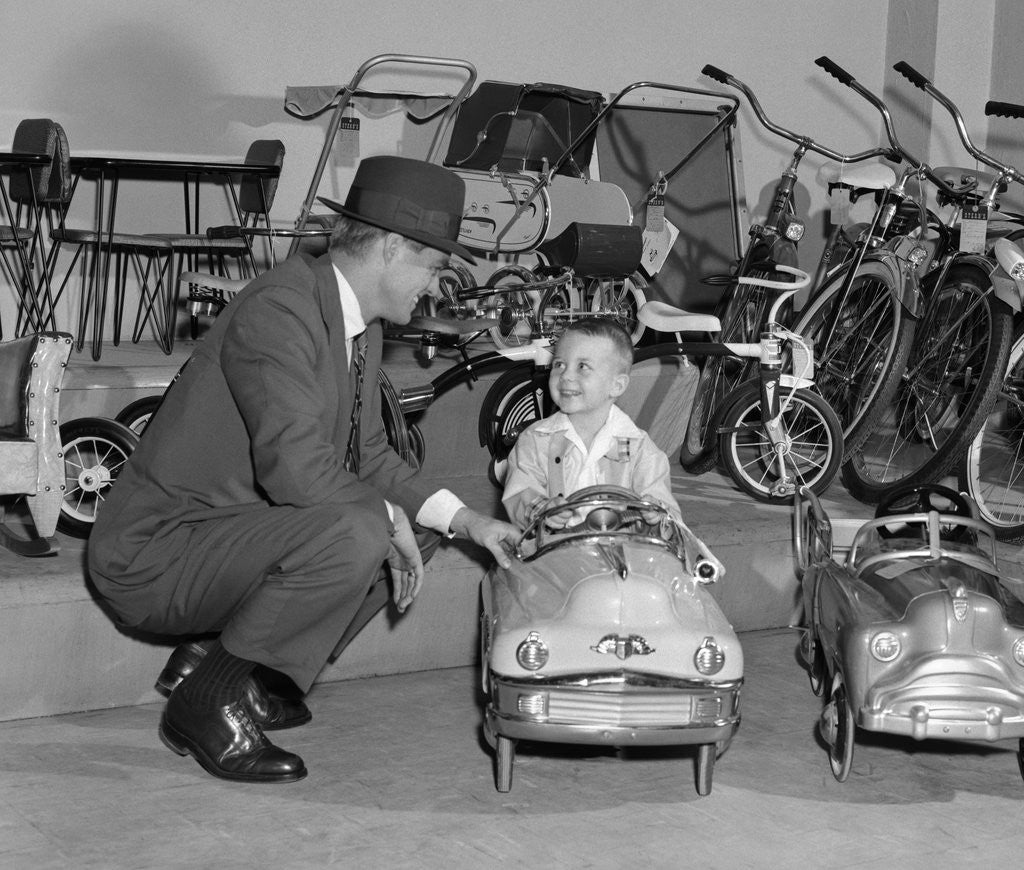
834,70
911,74
715,73
1005,110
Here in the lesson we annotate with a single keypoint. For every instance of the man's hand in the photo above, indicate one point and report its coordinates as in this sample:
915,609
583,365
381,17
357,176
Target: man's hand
405,561
497,536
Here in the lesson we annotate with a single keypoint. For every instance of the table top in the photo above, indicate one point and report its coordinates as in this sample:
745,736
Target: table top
15,158
151,166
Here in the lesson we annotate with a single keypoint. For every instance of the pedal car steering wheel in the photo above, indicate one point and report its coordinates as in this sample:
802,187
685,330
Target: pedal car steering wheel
606,518
922,499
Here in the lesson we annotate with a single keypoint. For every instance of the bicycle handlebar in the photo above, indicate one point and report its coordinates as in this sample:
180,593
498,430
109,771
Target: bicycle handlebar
803,141
920,81
837,72
1004,110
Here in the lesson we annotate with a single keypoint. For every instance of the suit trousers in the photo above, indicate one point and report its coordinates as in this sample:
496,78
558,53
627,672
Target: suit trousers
281,584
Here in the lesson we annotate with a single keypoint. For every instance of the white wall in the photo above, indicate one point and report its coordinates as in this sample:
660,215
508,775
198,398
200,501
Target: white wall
179,78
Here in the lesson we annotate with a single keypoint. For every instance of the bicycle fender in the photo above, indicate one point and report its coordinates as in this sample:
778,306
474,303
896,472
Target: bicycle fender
904,277
1002,284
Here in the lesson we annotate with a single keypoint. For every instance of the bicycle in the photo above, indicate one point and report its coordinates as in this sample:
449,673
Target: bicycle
959,354
744,307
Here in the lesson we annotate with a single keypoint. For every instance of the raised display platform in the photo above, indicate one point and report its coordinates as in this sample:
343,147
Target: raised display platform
63,654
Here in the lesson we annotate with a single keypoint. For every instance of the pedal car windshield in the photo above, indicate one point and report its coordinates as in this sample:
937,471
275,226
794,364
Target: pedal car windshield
905,555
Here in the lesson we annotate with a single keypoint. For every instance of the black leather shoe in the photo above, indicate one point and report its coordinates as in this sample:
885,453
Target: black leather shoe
227,743
268,711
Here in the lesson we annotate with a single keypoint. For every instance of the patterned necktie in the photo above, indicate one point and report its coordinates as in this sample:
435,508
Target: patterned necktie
359,364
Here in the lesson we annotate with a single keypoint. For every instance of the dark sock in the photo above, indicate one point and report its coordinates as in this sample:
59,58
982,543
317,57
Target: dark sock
218,679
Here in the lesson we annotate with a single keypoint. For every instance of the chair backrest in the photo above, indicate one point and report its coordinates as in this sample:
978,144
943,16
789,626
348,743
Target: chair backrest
48,183
251,198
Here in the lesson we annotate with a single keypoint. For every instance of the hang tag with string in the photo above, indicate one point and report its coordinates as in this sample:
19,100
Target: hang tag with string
973,228
840,197
346,142
656,205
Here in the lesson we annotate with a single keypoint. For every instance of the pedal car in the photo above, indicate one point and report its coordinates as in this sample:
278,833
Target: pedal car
604,632
909,624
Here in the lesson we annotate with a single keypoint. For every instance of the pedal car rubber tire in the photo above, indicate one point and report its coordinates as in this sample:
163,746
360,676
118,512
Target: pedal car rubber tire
95,450
136,416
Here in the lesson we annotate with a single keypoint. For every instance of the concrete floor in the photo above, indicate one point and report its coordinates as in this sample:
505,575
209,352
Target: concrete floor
401,778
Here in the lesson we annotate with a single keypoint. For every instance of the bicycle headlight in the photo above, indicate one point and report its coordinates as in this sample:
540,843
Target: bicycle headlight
795,230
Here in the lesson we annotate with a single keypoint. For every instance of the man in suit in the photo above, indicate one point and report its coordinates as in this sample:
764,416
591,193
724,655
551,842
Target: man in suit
264,498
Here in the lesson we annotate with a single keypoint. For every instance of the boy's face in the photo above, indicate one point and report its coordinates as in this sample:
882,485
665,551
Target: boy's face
586,374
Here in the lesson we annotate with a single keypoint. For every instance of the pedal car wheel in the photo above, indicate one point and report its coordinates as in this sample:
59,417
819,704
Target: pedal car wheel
815,661
137,415
839,733
1020,756
705,767
95,450
505,756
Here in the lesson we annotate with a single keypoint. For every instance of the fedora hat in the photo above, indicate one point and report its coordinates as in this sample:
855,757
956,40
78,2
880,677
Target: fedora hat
419,200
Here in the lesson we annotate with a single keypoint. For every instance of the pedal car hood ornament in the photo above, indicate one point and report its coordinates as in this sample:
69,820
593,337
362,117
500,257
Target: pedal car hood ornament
623,647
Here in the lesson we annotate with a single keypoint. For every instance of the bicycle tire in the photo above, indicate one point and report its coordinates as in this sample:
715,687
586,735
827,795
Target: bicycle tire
858,369
949,386
816,448
992,472
742,312
719,376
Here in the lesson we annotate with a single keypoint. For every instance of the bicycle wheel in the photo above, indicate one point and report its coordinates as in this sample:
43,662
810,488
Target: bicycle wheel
742,312
951,381
719,376
514,309
621,298
992,472
814,449
95,450
514,401
862,342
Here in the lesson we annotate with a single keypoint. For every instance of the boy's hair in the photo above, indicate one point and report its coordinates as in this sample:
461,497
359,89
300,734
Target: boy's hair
605,327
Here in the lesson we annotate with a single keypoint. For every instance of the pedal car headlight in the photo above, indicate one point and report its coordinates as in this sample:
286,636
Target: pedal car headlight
532,653
885,646
709,658
1018,651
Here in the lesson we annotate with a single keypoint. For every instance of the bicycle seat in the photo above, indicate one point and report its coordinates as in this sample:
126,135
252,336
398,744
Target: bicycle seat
870,177
667,318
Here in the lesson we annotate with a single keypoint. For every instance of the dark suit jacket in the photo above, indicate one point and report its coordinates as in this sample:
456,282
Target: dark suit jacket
259,416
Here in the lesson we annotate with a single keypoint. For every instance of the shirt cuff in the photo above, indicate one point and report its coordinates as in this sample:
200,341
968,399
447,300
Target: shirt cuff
438,511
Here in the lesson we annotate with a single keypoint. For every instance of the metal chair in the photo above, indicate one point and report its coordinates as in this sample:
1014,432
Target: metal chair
33,205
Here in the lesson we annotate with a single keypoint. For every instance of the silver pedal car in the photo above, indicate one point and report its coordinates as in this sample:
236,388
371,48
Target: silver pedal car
605,633
909,626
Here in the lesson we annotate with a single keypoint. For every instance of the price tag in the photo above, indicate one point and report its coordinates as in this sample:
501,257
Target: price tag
346,142
974,229
656,206
839,205
657,247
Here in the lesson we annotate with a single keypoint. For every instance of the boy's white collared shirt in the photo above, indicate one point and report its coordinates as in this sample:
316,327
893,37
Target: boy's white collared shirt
581,467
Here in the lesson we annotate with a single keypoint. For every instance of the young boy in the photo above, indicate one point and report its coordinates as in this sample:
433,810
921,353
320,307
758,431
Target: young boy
589,440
